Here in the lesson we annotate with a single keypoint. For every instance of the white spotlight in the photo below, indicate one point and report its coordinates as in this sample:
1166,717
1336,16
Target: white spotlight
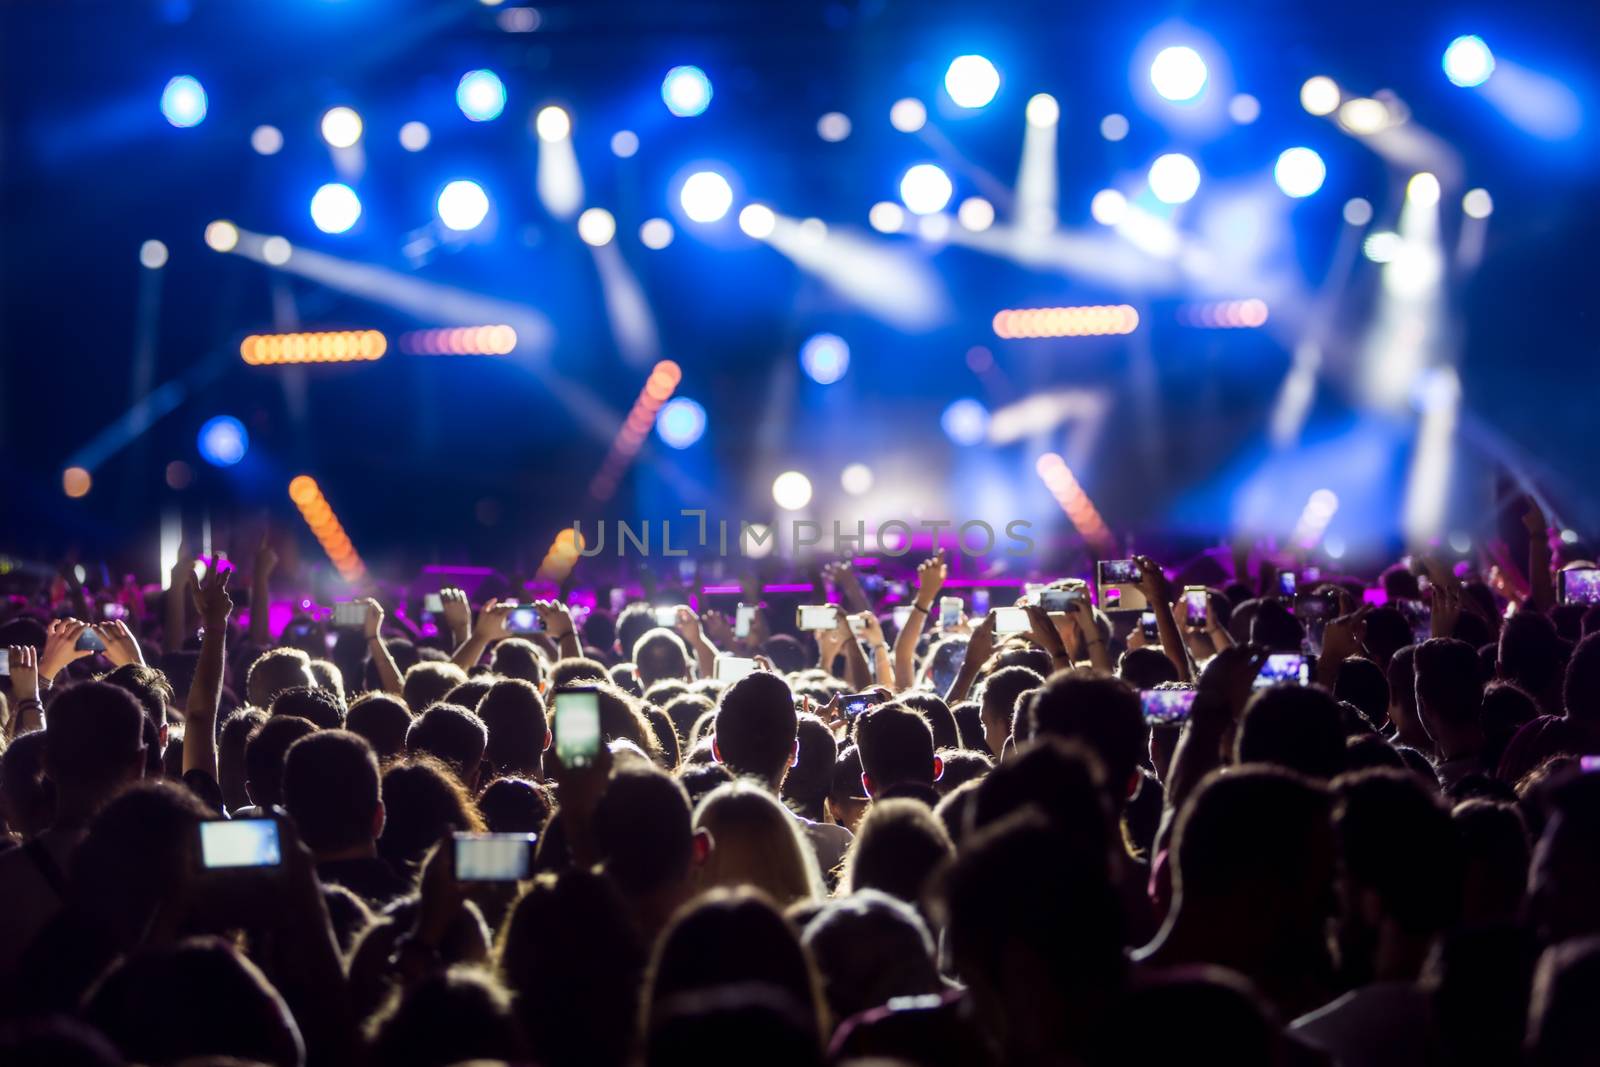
1108,207
1299,172
887,217
971,81
1043,110
1477,203
1423,189
1114,127
925,189
553,124
597,227
834,126
655,233
908,115
152,255
276,251
1382,247
1178,73
1320,95
222,236
1357,211
624,143
414,136
706,196
341,127
1363,115
856,479
976,214
791,490
1174,178
758,221
267,140
1244,109
463,205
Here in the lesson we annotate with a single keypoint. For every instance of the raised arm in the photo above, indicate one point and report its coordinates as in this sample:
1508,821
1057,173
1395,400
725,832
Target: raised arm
266,561
27,713
491,627
175,606
979,645
388,670
215,606
457,615
1541,586
931,573
1154,584
694,635
557,621
1089,638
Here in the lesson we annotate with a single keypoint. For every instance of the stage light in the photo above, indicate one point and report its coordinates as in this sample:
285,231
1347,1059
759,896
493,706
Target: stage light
222,236
1363,115
276,251
75,482
1108,207
553,124
1357,212
339,346
153,255
825,358
597,227
791,490
758,221
463,205
908,115
1178,73
624,143
658,389
833,127
1080,510
223,441
976,214
925,188
499,340
686,91
179,474
519,19
1468,61
1091,321
887,217
414,136
971,81
318,514
1225,314
681,423
1244,109
856,479
481,95
1320,95
1423,189
1174,178
706,196
341,127
655,234
1043,110
1114,127
1569,537
1477,203
1381,247
933,228
266,140
1314,518
183,102
1299,172
965,421
335,208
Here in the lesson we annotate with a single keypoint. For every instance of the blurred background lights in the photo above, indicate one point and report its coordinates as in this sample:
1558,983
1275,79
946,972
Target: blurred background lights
791,490
886,217
965,421
1357,211
179,474
335,208
1468,61
1477,203
222,236
1114,127
153,255
971,81
624,143
1423,189
1299,172
1043,110
1320,95
856,479
597,227
1244,109
706,196
976,214
1178,73
908,115
223,441
414,136
75,482
1174,178
1363,115
553,124
925,188
266,140
183,101
681,422
686,91
276,251
463,205
655,233
1108,207
1381,247
758,221
825,358
341,127
481,95
834,126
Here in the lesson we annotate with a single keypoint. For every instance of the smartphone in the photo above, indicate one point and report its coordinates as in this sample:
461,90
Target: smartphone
1030,593
980,601
667,616
1286,584
1197,603
348,613
113,611
1314,613
577,725
1579,585
299,631
524,620
742,618
1166,707
433,603
5,661
1010,621
855,703
1119,585
234,844
493,857
817,616
949,612
732,668
1419,615
1290,667
902,615
89,641
1152,629
1062,599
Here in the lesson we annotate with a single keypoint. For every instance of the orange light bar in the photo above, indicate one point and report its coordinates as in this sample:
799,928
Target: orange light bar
562,556
1058,478
1225,315
658,389
1095,320
340,346
314,508
460,341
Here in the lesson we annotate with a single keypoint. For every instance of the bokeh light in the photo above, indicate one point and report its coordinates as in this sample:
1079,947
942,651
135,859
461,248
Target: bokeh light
335,208
222,236
1320,95
1114,127
1043,110
223,441
971,81
341,127
758,221
597,227
926,188
833,127
686,91
965,421
908,115
1178,73
1174,178
553,124
481,95
1299,172
276,251
791,490
856,479
266,140
414,136
1244,109
1423,189
706,196
887,217
1108,207
655,234
1468,61
976,214
1357,211
624,144
183,102
681,422
152,255
463,205
1477,203
75,482
825,358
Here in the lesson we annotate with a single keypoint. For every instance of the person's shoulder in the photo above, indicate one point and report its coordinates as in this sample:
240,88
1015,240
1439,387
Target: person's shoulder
826,830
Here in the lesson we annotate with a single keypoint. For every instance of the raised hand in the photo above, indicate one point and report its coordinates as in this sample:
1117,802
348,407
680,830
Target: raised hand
372,624
848,583
211,597
1046,636
718,629
688,625
122,648
24,672
554,617
61,647
491,625
266,558
457,613
931,574
871,628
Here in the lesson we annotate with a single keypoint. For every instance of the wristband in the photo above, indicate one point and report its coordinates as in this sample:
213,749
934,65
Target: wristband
918,607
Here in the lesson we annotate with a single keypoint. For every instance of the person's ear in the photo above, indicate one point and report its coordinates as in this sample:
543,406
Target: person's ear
378,815
1133,784
549,739
794,754
704,845
938,768
866,783
716,752
161,735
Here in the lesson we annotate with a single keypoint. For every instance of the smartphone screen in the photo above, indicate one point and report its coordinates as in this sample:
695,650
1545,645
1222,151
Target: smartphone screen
980,601
1195,603
1580,585
732,668
234,843
667,616
1120,588
577,726
855,703
349,613
818,617
433,603
1166,707
742,618
1010,621
524,620
1119,572
1286,583
1290,667
89,641
949,612
493,857
902,615
1061,599
1147,623
5,661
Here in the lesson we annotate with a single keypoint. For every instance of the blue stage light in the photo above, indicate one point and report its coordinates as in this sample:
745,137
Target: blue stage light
965,421
1468,61
1174,178
681,422
183,101
463,205
825,358
1299,172
223,441
971,81
926,189
706,196
335,208
481,95
686,91
1178,73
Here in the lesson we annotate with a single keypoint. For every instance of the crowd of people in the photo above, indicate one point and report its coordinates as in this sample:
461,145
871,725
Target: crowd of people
941,842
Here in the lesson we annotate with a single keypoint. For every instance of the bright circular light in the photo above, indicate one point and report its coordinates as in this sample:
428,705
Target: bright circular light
933,227
976,214
75,482
1178,73
1423,189
335,208
152,255
706,196
971,81
1357,211
597,227
553,124
1363,115
463,205
655,233
1244,109
1174,178
223,441
183,102
825,358
1468,61
965,421
1382,247
1108,207
887,217
276,251
1114,127
1461,542
1299,172
222,236
481,95
856,479
681,422
791,490
925,189
624,143
1320,95
834,126
341,127
908,115
758,221
266,140
414,136
1477,203
1043,110
813,231
686,91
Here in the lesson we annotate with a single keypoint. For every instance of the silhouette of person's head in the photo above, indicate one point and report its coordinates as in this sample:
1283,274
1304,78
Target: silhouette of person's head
898,848
331,790
756,727
1102,713
453,735
384,720
1293,726
896,746
315,704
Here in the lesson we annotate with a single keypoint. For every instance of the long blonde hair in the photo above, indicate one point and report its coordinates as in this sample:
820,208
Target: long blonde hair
755,842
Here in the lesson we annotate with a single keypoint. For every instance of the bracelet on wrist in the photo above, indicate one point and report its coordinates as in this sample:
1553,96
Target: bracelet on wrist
919,607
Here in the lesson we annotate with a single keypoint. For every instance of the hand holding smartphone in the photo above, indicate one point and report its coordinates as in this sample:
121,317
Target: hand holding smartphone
1166,707
743,617
349,614
812,617
732,668
241,845
577,726
1197,607
1009,621
493,857
949,612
